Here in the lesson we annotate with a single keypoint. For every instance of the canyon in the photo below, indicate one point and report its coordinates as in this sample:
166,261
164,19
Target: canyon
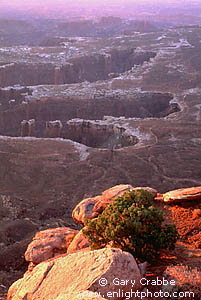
85,68
26,107
131,114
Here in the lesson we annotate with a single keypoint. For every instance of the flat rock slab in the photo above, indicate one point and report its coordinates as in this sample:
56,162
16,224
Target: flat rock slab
193,193
69,275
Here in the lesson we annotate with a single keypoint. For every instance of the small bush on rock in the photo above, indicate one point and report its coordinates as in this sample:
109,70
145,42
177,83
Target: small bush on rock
132,223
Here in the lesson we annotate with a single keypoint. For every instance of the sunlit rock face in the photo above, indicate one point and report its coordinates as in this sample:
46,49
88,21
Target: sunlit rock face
51,280
49,243
184,194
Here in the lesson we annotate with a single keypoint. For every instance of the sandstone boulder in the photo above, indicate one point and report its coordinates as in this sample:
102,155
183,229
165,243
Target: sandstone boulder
90,208
69,275
116,191
109,194
148,189
78,243
100,206
193,193
49,243
84,210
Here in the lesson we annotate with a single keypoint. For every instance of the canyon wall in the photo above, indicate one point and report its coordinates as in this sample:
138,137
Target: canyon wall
26,74
84,68
11,97
99,134
64,109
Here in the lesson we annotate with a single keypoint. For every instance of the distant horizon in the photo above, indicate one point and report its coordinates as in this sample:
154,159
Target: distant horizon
64,8
71,3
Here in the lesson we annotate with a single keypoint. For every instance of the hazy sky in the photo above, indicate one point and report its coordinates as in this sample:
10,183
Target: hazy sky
21,3
59,7
70,2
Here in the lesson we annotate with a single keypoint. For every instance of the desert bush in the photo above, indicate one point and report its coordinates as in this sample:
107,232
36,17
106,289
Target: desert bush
187,280
132,223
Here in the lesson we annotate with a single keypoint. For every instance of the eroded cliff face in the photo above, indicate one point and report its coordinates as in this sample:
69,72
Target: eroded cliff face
26,74
99,134
90,68
146,105
11,97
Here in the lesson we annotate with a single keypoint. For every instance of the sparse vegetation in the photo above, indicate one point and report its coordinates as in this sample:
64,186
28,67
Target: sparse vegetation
187,280
132,223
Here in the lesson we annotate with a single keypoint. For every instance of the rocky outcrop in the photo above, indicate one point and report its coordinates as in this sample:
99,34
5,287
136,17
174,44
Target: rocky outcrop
193,193
28,128
80,242
49,243
91,207
92,271
53,129
55,253
115,191
99,134
85,210
118,190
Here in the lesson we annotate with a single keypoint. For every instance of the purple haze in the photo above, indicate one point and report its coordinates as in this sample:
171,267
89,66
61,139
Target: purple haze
91,8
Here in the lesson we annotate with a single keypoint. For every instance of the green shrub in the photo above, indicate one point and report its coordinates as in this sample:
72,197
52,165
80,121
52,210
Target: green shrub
132,223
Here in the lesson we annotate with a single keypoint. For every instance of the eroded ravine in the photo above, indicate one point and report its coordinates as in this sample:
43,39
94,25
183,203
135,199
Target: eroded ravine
86,67
83,117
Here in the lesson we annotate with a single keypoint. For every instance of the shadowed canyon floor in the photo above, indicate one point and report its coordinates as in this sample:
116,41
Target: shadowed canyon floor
42,180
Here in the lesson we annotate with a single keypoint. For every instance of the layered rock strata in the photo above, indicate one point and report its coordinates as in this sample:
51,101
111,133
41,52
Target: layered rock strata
99,134
180,195
84,106
86,67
